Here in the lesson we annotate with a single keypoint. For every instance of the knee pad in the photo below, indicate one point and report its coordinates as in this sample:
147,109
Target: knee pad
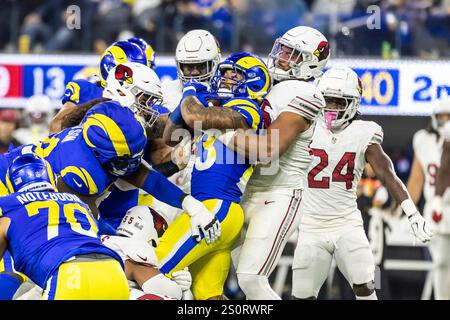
162,285
8,286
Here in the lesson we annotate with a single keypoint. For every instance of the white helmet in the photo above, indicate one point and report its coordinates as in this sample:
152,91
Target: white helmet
340,82
38,107
309,54
139,223
137,87
441,106
195,47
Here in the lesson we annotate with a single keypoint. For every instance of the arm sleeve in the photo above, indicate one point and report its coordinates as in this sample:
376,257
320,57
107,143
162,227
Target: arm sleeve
162,189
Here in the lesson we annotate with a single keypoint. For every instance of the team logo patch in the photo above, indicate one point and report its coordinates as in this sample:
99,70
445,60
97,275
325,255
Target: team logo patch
322,51
124,73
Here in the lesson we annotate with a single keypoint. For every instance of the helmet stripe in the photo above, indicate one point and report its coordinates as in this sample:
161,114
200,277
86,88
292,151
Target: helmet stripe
111,129
118,54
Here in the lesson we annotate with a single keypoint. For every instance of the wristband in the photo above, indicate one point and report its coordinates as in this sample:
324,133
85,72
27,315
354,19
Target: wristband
408,207
167,168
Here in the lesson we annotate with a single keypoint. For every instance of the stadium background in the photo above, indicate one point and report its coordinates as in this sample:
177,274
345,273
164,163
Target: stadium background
400,49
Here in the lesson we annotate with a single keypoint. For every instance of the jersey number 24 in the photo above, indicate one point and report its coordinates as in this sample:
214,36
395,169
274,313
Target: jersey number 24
347,160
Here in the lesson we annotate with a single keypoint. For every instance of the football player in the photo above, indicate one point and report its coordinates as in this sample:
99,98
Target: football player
219,175
147,49
109,145
81,91
135,241
197,56
331,223
37,114
53,237
426,176
272,198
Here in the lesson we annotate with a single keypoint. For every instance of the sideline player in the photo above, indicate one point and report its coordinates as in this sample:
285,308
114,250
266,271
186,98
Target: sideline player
53,237
427,177
331,223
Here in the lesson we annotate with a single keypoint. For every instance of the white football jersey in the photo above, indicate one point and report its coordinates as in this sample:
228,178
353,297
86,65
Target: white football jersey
131,249
336,168
301,98
446,131
428,150
172,93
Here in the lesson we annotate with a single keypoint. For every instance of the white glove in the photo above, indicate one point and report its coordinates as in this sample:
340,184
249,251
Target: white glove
183,279
419,227
203,219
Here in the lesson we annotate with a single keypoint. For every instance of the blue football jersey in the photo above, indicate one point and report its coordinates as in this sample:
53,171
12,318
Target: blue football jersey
81,91
219,172
46,229
73,160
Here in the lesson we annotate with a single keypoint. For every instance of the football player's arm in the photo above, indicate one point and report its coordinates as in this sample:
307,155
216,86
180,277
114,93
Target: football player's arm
219,118
88,199
280,135
156,131
443,174
56,124
162,189
416,180
384,170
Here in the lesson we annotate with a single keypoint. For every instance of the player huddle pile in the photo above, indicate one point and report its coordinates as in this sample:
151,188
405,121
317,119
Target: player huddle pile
269,147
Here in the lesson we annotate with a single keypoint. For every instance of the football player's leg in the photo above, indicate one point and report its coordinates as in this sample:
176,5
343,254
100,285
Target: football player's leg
273,219
177,248
354,259
311,265
209,274
89,279
9,283
439,248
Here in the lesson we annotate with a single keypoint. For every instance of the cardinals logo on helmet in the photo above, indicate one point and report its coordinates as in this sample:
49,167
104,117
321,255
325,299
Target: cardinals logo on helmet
359,85
322,51
159,222
124,73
